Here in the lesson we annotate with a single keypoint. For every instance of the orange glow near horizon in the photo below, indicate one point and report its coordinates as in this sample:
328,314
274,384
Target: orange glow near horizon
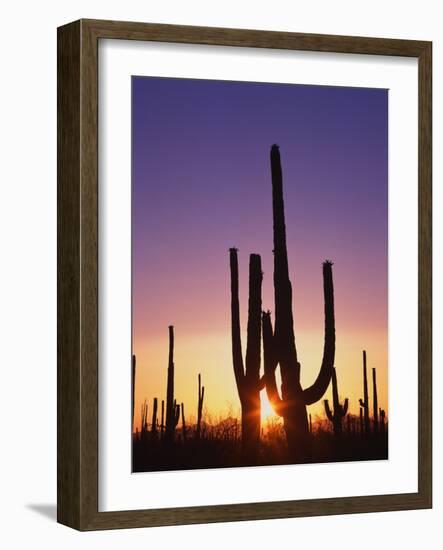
210,355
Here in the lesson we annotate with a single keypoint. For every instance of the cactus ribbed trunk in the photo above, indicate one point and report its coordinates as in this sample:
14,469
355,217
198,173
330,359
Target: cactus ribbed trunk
364,403
184,429
162,424
170,403
339,411
279,345
201,396
247,376
133,390
375,399
154,417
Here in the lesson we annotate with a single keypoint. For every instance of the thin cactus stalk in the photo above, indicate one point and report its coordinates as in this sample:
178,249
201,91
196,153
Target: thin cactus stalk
375,399
310,423
279,344
364,403
247,376
184,429
340,411
133,390
361,421
382,421
201,396
176,414
162,425
170,401
144,418
154,417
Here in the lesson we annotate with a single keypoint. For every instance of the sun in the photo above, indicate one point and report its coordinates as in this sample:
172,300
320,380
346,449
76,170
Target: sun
266,408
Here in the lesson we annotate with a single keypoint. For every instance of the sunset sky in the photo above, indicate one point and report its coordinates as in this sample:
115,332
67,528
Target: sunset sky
202,184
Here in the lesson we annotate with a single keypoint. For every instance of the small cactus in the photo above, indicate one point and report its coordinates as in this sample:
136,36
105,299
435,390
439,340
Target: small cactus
375,400
144,418
162,425
201,396
340,411
364,403
154,418
184,429
382,421
172,416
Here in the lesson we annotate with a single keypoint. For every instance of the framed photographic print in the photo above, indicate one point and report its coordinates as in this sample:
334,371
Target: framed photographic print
244,275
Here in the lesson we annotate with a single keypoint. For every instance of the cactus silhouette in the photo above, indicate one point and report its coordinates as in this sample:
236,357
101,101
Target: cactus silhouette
184,429
133,390
375,399
340,411
248,377
382,421
201,396
162,425
364,403
154,417
310,423
144,419
171,406
279,344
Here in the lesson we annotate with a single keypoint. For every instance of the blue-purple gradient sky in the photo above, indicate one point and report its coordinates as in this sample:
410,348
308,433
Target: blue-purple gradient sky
201,184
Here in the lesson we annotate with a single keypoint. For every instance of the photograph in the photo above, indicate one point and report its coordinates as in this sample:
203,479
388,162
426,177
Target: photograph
259,274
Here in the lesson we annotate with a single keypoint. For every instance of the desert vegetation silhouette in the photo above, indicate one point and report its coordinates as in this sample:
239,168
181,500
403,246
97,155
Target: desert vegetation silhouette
289,437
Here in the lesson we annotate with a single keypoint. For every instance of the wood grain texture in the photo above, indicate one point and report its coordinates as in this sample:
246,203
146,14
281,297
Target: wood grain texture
77,454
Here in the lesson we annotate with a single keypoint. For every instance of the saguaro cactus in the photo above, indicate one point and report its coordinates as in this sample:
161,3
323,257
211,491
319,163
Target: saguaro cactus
279,345
171,406
184,429
340,411
144,418
375,400
382,421
162,425
133,390
248,377
201,396
364,403
154,418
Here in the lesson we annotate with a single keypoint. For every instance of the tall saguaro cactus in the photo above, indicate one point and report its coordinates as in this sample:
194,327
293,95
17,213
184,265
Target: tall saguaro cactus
279,344
375,399
340,411
154,417
133,390
201,396
171,413
247,376
364,403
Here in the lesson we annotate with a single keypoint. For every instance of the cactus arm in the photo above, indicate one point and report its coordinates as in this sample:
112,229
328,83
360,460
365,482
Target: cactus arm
237,354
345,407
315,392
270,364
328,411
253,347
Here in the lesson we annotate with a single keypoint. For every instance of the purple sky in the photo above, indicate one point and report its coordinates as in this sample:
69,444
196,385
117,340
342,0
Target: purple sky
201,184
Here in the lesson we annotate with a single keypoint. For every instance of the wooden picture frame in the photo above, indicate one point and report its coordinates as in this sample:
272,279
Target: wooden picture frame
77,455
